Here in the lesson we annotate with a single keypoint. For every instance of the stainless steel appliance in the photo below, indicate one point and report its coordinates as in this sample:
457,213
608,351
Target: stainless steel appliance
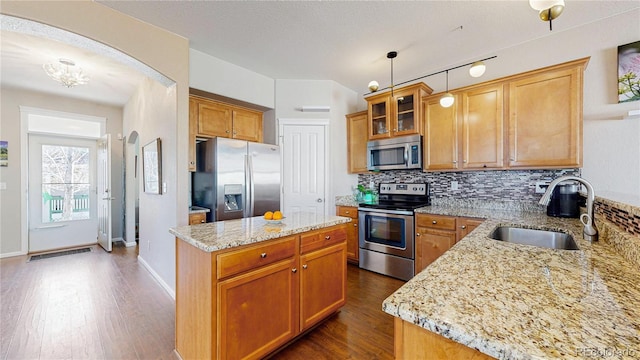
403,152
236,178
565,201
387,229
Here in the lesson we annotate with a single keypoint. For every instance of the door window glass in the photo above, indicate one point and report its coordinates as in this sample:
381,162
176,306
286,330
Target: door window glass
65,183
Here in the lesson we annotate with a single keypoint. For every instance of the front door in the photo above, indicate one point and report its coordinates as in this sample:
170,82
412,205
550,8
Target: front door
104,192
303,167
62,192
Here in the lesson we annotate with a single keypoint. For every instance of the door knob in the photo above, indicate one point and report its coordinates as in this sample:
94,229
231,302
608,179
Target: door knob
319,200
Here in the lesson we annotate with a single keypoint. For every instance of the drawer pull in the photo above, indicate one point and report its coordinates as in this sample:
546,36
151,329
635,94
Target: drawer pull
202,221
263,255
417,234
347,212
327,237
294,270
434,222
304,266
463,227
356,225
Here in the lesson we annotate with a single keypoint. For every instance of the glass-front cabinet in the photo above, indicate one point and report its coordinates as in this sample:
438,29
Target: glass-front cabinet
398,113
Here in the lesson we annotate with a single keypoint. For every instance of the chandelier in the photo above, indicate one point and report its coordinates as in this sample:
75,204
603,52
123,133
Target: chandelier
65,73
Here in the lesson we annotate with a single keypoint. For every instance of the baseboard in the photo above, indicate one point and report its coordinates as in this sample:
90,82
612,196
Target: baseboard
157,277
126,243
12,254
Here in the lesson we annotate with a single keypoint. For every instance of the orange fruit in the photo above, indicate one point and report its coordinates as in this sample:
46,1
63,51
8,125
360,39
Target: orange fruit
277,215
268,215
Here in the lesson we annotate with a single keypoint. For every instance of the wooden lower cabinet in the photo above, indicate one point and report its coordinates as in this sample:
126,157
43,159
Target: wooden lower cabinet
414,342
246,302
257,311
353,235
435,234
323,284
197,218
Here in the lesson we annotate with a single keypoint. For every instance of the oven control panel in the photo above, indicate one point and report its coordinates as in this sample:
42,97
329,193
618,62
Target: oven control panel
405,189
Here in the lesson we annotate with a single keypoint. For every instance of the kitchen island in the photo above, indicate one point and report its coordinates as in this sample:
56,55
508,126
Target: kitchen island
487,298
246,287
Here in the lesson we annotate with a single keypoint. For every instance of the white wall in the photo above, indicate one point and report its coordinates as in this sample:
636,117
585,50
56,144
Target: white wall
210,74
10,204
168,54
291,95
149,112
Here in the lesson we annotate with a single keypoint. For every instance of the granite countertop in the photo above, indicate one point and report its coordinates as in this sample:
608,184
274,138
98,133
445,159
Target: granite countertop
198,209
514,301
220,235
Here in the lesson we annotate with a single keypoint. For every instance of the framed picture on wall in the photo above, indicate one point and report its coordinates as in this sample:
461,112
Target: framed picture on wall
152,167
629,72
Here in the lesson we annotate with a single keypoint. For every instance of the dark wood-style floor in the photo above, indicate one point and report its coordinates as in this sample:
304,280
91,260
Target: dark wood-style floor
107,306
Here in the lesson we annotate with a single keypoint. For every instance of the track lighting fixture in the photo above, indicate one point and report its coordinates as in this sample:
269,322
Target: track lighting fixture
476,70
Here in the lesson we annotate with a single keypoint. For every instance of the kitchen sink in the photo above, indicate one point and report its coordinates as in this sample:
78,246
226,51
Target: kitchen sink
542,238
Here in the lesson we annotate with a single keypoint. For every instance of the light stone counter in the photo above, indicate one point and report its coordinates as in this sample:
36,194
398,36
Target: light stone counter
220,235
514,301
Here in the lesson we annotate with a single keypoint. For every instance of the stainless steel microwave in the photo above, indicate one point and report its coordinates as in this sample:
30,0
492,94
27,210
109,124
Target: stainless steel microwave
403,152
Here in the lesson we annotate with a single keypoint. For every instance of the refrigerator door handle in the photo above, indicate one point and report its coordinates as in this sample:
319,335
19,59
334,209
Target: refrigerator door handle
250,187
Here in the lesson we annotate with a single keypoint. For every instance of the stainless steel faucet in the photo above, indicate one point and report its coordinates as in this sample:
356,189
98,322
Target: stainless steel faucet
590,232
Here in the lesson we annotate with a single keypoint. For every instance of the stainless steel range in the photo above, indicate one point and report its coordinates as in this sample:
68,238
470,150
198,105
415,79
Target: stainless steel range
387,229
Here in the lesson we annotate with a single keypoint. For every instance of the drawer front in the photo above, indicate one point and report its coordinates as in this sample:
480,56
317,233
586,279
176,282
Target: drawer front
318,239
197,218
436,221
238,261
348,211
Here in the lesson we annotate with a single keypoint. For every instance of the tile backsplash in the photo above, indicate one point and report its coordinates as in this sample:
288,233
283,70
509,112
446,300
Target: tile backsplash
502,185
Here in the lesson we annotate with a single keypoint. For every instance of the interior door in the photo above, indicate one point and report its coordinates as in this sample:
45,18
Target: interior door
303,168
62,192
104,192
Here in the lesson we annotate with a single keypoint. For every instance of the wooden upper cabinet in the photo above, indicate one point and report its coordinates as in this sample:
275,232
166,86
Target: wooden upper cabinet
396,114
440,140
247,125
357,142
545,117
193,129
214,118
482,127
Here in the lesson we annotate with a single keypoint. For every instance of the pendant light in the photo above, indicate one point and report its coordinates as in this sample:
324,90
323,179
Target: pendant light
447,99
477,69
548,9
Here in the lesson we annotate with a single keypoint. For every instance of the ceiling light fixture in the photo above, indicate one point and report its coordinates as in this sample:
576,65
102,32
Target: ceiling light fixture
548,9
447,99
477,69
65,74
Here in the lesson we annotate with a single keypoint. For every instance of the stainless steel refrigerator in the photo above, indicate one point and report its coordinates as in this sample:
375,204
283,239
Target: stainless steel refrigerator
236,178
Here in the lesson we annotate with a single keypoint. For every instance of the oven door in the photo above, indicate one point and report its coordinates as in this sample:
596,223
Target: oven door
386,231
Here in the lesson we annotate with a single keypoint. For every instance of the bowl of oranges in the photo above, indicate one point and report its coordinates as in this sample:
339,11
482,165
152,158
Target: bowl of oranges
273,217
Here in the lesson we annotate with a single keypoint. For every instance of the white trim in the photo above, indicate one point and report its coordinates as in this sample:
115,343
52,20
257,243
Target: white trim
327,152
157,277
12,254
25,111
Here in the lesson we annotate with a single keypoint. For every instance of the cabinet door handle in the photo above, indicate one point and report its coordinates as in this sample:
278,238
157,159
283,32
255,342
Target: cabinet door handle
202,221
235,132
434,222
263,255
327,237
294,270
417,234
463,227
227,131
356,225
304,266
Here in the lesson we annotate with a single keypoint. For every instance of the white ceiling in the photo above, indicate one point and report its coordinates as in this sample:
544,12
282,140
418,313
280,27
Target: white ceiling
344,41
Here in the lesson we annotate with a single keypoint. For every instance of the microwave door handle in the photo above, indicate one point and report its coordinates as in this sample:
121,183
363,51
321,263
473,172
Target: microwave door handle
406,155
